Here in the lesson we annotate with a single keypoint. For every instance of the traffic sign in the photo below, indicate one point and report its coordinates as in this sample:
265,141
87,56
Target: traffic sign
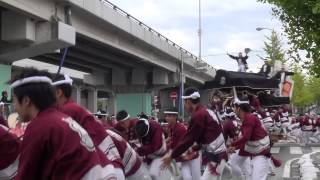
173,95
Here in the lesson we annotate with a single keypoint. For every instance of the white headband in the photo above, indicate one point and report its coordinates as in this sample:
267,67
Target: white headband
230,114
147,123
238,102
125,118
66,80
194,95
170,112
33,79
100,114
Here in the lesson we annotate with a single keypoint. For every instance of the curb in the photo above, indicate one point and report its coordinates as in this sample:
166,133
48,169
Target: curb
296,145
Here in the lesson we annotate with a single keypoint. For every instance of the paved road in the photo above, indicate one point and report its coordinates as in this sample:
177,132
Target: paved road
286,153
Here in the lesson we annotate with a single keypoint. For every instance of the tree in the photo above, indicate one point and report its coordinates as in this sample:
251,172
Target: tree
273,48
314,87
301,22
302,92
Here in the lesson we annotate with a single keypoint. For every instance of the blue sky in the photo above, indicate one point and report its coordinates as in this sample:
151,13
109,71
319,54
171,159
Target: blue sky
228,26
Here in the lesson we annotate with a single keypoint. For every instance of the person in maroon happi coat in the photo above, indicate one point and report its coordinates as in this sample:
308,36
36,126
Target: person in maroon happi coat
9,153
153,144
254,141
205,130
110,145
190,160
54,146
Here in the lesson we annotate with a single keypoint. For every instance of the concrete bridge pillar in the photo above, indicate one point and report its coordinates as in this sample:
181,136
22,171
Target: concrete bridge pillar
76,94
93,100
112,108
160,77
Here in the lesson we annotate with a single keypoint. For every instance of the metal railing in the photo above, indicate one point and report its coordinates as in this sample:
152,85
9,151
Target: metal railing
122,12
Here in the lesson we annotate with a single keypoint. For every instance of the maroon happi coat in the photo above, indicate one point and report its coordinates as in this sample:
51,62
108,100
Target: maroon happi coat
230,129
112,147
153,145
9,151
55,147
176,134
251,130
129,134
204,129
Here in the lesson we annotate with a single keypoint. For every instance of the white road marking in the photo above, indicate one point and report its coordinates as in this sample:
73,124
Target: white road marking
275,150
287,168
295,150
315,149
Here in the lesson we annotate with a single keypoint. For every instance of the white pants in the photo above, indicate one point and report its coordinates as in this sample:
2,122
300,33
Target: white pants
141,174
260,168
98,172
207,174
155,170
241,166
306,136
242,68
295,135
317,132
271,166
284,127
190,170
119,174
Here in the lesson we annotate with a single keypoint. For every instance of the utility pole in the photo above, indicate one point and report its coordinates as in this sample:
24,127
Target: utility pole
200,31
181,87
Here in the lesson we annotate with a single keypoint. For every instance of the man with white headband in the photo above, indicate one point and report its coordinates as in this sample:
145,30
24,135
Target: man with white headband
126,127
230,126
205,130
231,129
54,146
254,141
153,145
190,160
112,146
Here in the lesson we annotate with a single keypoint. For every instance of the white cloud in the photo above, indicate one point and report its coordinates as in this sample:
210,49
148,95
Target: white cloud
164,10
236,42
184,37
228,25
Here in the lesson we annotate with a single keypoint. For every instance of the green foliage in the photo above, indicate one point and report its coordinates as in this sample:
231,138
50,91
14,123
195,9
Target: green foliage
273,48
301,22
306,90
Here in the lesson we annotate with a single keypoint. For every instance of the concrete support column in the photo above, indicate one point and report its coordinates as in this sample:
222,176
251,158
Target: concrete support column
160,77
112,108
93,100
76,94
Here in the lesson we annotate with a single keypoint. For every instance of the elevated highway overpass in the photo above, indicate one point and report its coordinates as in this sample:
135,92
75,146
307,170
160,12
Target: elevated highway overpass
120,53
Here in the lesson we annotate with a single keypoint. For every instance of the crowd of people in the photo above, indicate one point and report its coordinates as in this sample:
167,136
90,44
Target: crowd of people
62,140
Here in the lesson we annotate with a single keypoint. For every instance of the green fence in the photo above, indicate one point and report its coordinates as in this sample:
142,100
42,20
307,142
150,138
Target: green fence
134,103
5,76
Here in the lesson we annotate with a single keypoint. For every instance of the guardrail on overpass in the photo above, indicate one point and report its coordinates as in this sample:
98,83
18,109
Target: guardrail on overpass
124,13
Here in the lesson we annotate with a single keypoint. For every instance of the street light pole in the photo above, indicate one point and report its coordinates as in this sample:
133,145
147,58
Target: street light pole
200,30
181,87
273,58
